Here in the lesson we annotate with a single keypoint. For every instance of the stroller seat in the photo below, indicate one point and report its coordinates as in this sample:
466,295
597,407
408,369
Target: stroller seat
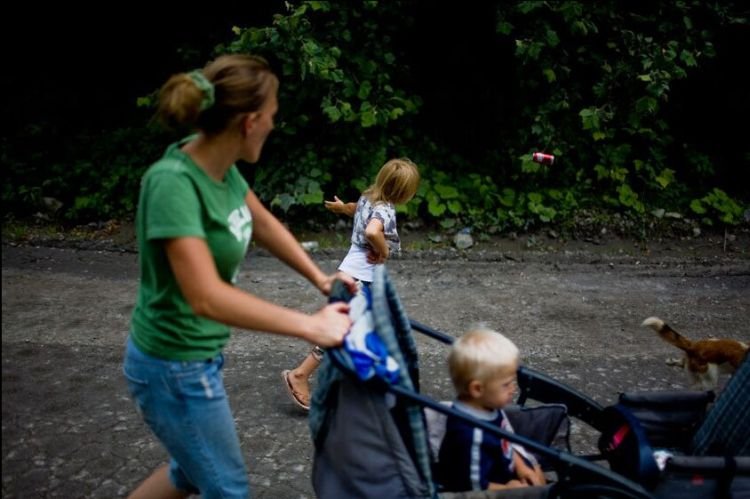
676,428
548,424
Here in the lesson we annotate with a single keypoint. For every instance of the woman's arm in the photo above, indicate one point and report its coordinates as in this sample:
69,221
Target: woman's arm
211,297
270,233
338,206
375,234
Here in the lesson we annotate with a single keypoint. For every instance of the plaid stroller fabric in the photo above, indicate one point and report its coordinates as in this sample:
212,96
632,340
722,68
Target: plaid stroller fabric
394,332
368,352
726,430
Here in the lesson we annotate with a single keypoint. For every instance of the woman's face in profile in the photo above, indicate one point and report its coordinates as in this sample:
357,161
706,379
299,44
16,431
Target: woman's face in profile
257,127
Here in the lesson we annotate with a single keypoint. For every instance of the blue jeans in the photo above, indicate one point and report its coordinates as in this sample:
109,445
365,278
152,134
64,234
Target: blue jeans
185,405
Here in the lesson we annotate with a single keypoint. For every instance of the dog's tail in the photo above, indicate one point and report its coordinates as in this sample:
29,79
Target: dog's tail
668,334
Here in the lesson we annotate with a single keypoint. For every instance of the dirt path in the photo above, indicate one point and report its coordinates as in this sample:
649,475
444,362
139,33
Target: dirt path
69,429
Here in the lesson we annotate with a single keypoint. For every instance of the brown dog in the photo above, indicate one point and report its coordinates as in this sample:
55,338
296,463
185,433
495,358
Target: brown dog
703,359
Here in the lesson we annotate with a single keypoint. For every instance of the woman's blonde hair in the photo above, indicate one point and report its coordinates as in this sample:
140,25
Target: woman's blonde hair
237,84
481,354
396,183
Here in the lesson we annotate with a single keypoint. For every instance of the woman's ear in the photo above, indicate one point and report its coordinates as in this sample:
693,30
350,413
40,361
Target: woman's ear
248,123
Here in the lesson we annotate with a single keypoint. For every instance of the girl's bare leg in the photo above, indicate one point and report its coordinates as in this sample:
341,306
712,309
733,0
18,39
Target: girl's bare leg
299,378
158,486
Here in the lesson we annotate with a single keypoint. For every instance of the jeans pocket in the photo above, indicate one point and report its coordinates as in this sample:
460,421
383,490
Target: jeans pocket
138,388
205,382
132,376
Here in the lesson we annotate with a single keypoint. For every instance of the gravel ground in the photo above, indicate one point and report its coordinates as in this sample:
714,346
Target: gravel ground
574,309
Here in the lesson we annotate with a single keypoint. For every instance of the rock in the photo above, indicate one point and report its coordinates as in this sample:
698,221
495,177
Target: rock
51,204
463,239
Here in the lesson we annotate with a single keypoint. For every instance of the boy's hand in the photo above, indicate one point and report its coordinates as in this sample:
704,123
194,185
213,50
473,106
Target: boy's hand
529,475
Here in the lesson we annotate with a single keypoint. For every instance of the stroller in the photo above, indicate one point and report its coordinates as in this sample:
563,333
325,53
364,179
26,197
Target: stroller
376,435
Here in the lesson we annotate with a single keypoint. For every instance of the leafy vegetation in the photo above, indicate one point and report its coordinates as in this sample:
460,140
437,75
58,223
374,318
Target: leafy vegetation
609,125
589,82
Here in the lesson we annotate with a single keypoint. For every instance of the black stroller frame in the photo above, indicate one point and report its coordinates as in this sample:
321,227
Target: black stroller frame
576,476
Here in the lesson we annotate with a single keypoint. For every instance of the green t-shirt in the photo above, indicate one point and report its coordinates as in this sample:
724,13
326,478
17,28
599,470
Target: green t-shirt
178,199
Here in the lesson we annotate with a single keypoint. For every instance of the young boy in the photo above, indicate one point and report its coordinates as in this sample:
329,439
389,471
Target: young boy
483,365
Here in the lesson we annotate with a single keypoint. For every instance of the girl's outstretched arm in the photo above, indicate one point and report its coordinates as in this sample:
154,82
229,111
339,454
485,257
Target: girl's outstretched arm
340,207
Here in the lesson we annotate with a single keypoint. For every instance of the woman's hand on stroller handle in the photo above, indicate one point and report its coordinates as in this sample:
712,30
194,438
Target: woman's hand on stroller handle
331,323
342,289
326,286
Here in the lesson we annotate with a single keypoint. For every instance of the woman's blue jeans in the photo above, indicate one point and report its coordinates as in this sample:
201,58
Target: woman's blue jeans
185,405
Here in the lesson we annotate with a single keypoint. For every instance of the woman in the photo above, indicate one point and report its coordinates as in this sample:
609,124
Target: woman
196,216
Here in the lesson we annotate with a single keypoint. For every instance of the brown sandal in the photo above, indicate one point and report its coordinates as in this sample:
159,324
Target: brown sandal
293,394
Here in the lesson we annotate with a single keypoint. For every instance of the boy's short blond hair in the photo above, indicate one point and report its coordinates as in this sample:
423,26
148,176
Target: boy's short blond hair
481,354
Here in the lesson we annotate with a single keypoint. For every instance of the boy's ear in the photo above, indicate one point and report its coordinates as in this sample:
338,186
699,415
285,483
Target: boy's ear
475,388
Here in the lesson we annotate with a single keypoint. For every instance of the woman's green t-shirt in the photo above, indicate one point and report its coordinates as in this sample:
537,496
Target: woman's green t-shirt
178,199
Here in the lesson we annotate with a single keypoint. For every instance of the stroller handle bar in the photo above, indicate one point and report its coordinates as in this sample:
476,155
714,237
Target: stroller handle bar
432,333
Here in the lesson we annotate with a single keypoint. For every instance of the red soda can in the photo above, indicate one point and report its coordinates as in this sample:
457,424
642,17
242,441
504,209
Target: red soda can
542,158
